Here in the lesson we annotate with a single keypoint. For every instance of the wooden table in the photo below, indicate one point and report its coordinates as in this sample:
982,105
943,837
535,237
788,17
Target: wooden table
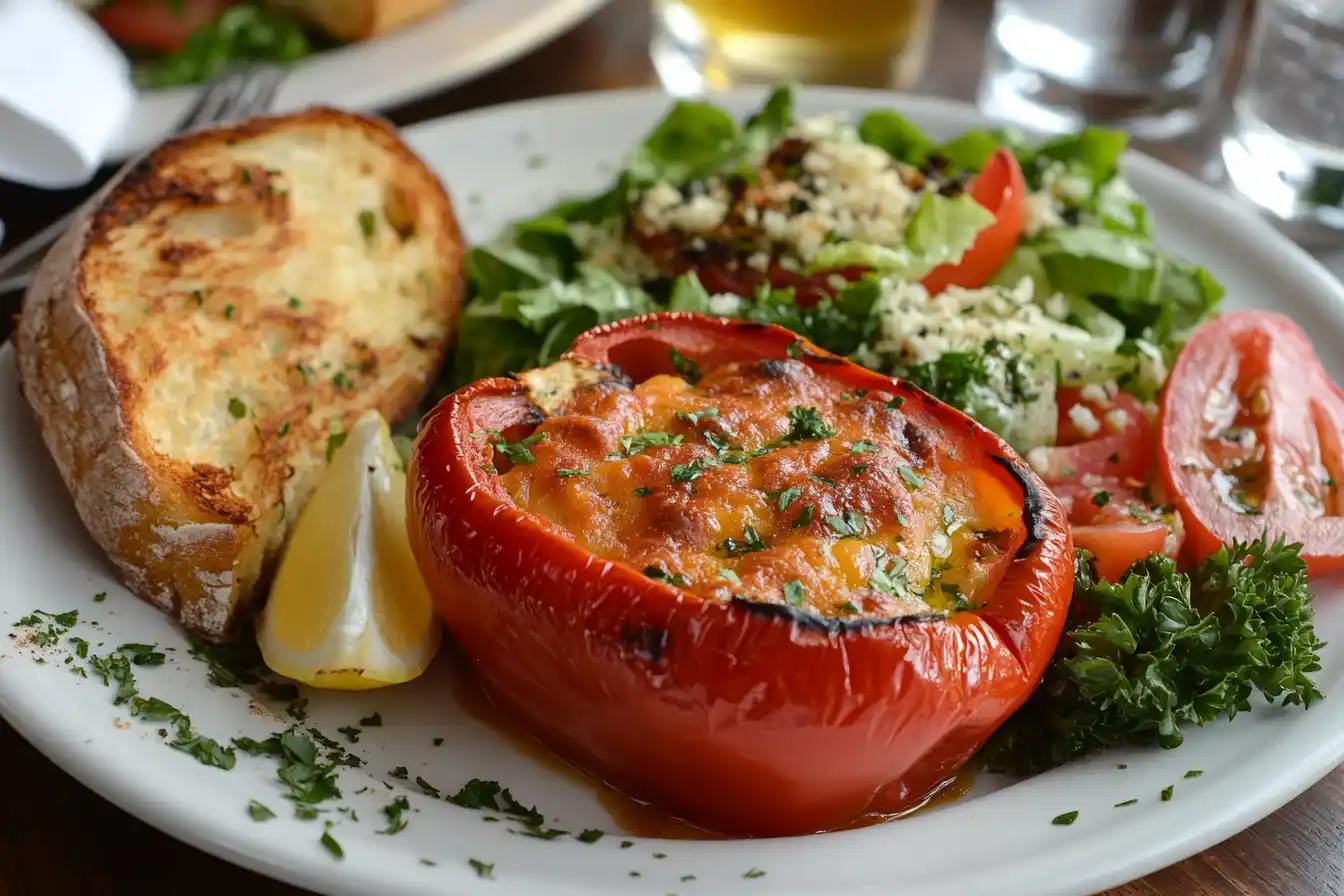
56,837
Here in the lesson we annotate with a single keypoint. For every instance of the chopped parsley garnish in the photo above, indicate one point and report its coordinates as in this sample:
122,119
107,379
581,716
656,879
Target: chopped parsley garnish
368,224
268,747
1128,802
784,497
795,349
1194,773
1065,818
891,578
428,788
895,403
100,597
1168,649
1113,459
400,773
395,813
728,574
853,396
912,479
689,472
518,452
659,574
849,524
591,835
749,542
294,302
626,844
334,441
484,870
1168,792
569,473
804,424
331,845
1101,498
643,491
351,733
259,812
632,445
694,417
862,447
660,855
794,593
804,516
438,741
237,409
687,368
373,721
754,873
847,607
228,312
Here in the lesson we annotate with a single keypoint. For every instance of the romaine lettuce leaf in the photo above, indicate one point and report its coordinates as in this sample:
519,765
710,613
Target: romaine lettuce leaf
1156,296
940,232
767,125
901,138
525,328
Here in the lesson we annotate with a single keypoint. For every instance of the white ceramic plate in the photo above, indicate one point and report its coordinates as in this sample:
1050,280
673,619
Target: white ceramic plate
501,163
467,39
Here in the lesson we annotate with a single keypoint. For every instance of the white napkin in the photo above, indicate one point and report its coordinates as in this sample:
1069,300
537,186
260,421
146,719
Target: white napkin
65,93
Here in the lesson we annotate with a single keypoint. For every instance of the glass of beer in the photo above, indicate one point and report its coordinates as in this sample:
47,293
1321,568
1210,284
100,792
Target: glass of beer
705,45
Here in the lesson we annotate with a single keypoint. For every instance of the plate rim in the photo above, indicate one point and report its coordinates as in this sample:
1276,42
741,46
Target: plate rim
535,23
1275,793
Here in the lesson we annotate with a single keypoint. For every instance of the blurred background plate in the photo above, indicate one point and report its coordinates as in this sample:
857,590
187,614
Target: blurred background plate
467,39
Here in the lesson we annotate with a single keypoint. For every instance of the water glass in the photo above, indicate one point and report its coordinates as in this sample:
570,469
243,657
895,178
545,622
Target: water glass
1285,151
1151,67
703,45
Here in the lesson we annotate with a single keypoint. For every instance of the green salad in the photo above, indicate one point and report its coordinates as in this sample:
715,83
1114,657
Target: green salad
1086,295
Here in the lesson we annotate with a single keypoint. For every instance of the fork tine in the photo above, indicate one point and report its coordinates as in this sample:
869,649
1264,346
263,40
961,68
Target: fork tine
213,97
256,93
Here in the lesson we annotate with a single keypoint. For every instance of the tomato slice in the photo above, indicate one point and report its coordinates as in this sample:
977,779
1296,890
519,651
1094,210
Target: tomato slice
1121,447
159,26
1250,439
1110,518
1000,188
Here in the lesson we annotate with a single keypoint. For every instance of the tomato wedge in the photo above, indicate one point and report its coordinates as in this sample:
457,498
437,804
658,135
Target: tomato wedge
1251,439
1121,448
1000,188
1111,519
157,25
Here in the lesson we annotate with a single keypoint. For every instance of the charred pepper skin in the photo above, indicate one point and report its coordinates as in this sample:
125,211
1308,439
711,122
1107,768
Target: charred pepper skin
744,718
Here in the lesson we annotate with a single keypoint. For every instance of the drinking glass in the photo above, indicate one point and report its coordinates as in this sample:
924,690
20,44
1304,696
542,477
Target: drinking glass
1151,67
703,45
1285,151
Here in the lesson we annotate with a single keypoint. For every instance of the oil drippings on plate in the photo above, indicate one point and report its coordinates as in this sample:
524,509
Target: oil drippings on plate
629,815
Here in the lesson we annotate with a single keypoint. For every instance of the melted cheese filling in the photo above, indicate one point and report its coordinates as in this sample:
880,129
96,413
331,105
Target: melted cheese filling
766,482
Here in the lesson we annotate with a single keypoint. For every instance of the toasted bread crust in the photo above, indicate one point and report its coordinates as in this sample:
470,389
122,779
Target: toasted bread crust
195,538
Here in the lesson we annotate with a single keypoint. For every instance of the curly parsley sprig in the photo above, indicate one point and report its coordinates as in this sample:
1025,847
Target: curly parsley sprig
1162,649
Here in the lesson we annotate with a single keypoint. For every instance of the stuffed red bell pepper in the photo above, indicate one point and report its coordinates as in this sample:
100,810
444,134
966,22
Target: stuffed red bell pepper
736,576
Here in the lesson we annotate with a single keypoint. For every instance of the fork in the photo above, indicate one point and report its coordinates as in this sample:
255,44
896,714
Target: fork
239,92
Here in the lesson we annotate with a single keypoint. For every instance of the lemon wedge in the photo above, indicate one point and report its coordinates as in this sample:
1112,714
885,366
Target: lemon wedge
348,609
